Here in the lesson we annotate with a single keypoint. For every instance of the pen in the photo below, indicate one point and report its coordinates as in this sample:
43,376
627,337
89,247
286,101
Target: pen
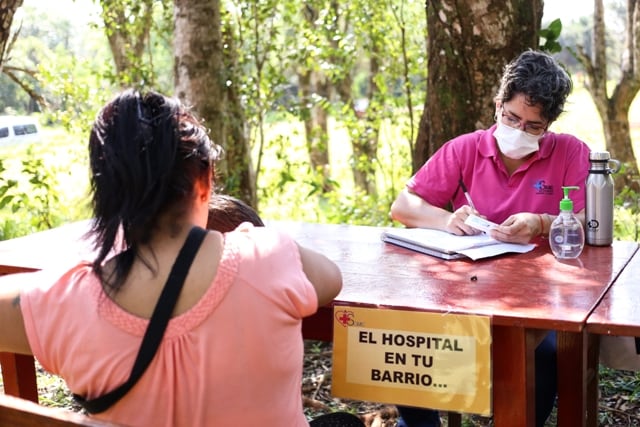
467,195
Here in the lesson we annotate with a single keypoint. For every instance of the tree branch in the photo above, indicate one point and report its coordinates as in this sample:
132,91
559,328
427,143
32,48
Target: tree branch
629,85
27,71
39,99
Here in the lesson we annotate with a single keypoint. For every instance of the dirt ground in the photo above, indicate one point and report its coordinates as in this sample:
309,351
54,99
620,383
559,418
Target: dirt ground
619,404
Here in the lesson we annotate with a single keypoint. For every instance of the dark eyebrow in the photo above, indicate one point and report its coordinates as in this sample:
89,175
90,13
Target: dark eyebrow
532,122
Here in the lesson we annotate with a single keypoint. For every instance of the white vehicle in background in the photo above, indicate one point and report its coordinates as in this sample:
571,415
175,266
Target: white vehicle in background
19,129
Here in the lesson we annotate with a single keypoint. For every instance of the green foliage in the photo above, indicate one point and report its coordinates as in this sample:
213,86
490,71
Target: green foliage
50,43
261,39
275,43
290,191
356,209
143,30
627,222
551,35
338,42
40,187
75,90
43,194
32,208
627,214
69,62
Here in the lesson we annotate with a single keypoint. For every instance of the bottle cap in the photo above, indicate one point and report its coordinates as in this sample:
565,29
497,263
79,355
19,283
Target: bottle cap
599,155
566,204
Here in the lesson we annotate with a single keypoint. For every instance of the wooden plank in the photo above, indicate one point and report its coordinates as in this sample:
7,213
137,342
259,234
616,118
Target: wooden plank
572,383
513,377
593,351
19,376
15,412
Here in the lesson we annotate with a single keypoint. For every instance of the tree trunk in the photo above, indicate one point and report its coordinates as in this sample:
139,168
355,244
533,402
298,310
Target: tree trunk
468,45
314,92
614,110
7,10
365,145
241,179
363,126
312,86
201,74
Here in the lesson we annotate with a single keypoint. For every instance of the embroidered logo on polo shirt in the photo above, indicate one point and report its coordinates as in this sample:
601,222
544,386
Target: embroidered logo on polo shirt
542,188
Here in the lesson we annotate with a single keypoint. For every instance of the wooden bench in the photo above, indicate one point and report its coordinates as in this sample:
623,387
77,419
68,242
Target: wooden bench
16,412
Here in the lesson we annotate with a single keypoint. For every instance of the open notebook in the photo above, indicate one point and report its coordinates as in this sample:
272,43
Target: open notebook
449,246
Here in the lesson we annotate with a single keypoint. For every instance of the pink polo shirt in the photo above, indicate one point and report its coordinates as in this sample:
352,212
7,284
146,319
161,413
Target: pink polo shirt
536,186
233,359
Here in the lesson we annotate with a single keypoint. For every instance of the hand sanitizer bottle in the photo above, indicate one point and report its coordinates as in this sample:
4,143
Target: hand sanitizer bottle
566,235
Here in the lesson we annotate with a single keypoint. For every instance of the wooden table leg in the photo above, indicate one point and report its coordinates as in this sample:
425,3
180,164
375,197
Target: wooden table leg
593,365
319,326
19,376
513,376
572,378
454,419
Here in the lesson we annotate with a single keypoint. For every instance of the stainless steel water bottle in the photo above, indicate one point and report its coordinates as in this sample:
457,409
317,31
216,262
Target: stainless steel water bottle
599,199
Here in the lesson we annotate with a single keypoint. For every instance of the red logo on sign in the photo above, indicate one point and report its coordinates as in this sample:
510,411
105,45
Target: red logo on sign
345,318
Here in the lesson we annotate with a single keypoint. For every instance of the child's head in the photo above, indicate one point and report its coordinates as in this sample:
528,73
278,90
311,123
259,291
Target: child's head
226,213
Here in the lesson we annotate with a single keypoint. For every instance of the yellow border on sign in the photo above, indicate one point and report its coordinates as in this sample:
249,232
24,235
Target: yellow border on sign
431,360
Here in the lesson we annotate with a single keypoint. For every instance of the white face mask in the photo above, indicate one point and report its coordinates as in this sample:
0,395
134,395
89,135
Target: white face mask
515,143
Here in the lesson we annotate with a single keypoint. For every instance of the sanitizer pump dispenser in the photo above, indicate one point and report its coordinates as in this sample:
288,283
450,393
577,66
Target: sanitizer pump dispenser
566,235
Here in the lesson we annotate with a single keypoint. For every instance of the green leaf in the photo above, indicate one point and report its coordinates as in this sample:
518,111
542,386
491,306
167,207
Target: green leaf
5,200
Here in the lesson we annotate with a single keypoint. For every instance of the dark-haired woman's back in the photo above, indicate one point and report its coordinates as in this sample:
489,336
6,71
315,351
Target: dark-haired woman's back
232,352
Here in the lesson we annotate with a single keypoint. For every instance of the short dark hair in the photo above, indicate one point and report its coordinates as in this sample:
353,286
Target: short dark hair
540,79
146,153
227,212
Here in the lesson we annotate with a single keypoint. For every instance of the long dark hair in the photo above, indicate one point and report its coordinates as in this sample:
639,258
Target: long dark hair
146,154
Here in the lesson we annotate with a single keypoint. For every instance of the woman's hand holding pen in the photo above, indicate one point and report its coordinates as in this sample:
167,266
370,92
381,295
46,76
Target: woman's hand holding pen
456,221
413,211
518,228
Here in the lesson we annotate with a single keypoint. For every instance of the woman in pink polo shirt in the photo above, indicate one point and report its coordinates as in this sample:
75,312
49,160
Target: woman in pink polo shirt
514,173
232,352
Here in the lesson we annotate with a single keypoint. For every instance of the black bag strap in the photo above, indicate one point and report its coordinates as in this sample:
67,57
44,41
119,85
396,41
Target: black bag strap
157,324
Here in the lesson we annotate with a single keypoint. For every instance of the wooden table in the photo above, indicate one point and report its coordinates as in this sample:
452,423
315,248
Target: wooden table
617,313
525,295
